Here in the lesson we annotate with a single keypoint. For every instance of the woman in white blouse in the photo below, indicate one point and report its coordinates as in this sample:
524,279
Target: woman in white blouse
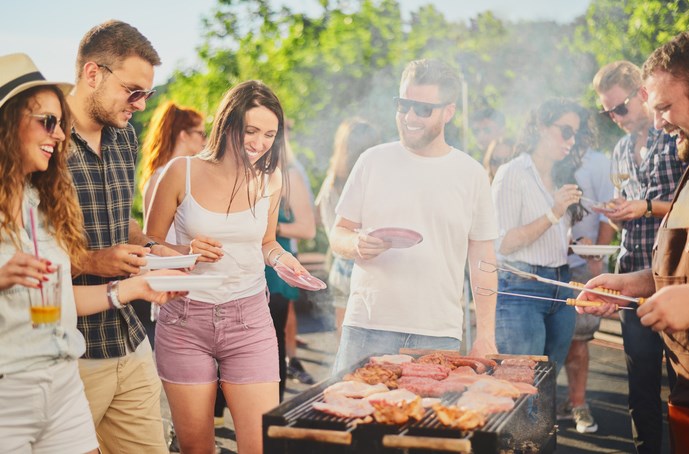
537,202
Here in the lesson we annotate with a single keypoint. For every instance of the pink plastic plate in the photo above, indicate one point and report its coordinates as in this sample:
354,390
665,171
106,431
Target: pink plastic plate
305,281
398,237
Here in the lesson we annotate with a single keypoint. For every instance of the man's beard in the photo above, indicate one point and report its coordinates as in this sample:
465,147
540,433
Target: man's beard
100,115
683,150
430,133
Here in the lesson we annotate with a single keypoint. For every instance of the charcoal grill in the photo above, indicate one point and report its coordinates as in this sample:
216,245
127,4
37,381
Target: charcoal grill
295,427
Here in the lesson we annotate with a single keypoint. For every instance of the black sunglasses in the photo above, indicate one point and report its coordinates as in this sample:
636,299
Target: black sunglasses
621,109
566,130
421,109
134,95
49,122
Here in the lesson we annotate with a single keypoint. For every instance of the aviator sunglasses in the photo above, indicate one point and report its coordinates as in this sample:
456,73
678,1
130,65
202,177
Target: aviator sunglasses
49,122
621,109
566,130
134,95
421,109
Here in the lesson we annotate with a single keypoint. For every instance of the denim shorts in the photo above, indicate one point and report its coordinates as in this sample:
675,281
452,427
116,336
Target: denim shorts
526,326
195,339
358,343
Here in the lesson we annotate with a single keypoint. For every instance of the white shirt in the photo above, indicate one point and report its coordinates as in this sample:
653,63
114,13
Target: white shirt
447,200
25,348
520,198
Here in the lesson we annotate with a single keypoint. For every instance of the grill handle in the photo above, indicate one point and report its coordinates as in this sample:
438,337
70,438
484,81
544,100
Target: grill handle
431,443
297,433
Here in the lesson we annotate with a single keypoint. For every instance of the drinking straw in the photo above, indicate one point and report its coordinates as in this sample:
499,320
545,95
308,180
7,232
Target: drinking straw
32,232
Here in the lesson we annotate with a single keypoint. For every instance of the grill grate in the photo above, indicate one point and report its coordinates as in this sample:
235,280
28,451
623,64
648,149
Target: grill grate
505,430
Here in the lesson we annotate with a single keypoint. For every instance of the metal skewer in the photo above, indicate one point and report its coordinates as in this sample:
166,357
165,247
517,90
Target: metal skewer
492,268
569,301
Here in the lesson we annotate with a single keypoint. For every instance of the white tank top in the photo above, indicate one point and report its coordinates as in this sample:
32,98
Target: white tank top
241,235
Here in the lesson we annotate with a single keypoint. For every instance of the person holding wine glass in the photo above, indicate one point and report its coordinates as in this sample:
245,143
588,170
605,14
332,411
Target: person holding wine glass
645,171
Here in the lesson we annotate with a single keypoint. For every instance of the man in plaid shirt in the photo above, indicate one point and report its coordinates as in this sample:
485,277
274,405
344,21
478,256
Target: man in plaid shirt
115,73
655,170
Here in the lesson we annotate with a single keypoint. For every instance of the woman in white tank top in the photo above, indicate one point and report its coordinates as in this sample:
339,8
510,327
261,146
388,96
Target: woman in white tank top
224,203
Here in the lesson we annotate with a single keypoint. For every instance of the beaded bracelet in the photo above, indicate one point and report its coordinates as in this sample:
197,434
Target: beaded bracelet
113,295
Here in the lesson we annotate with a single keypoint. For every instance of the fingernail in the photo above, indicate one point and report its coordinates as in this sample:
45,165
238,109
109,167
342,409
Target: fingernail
45,278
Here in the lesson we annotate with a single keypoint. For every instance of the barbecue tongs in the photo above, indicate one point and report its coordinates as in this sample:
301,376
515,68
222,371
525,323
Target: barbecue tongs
492,268
568,301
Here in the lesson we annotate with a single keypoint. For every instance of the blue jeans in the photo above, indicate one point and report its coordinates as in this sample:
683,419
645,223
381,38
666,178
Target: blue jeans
643,349
359,343
525,326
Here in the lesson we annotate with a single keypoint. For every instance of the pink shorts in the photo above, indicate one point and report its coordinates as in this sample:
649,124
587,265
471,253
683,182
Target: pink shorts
195,339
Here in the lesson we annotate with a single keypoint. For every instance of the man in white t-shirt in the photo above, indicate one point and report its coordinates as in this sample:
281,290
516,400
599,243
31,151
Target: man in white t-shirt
411,297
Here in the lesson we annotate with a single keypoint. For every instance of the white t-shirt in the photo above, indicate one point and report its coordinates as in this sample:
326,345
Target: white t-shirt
447,200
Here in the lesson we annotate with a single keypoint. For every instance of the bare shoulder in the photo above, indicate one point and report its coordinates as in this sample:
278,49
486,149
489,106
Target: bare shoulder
275,182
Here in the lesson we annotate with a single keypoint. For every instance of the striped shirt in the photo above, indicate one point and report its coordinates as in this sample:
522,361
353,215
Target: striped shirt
105,187
520,198
657,176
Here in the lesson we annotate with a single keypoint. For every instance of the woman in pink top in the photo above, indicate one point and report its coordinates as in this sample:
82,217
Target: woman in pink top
224,203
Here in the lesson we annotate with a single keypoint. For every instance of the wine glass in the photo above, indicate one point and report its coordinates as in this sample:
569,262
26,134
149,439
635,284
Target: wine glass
620,174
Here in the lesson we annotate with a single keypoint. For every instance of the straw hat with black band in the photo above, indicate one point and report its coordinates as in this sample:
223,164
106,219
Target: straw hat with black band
18,73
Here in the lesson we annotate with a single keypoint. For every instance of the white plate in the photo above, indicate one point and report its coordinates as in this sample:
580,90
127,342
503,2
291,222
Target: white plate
594,249
183,283
156,262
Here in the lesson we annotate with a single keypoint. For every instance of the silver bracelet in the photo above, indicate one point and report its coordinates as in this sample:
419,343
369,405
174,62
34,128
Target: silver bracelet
112,293
279,254
270,252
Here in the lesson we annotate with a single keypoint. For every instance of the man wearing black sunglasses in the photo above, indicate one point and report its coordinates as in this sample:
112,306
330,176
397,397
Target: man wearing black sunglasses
412,297
115,74
638,208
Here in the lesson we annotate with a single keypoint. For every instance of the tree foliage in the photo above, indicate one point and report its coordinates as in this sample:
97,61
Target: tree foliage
346,59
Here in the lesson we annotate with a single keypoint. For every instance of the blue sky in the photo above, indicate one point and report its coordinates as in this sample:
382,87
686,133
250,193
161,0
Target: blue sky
49,31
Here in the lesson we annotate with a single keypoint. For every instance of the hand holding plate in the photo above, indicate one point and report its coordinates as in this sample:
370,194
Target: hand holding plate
369,247
138,288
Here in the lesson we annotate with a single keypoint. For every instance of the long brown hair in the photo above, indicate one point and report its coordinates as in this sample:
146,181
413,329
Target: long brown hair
228,129
56,191
167,122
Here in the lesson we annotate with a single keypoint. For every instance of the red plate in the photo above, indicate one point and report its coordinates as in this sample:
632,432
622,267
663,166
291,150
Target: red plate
305,281
398,237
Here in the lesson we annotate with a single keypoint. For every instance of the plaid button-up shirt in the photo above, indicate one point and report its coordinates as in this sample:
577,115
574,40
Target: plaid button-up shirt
656,179
105,187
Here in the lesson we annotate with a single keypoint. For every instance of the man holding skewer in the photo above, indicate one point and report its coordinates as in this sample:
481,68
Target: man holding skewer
653,170
666,79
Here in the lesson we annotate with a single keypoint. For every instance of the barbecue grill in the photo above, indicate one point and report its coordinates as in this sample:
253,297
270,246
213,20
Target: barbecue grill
295,427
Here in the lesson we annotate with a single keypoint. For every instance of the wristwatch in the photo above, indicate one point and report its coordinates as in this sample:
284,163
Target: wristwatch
150,244
649,209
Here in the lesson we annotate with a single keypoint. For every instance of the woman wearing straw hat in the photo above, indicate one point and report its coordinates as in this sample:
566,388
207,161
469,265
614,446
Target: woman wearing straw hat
43,407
